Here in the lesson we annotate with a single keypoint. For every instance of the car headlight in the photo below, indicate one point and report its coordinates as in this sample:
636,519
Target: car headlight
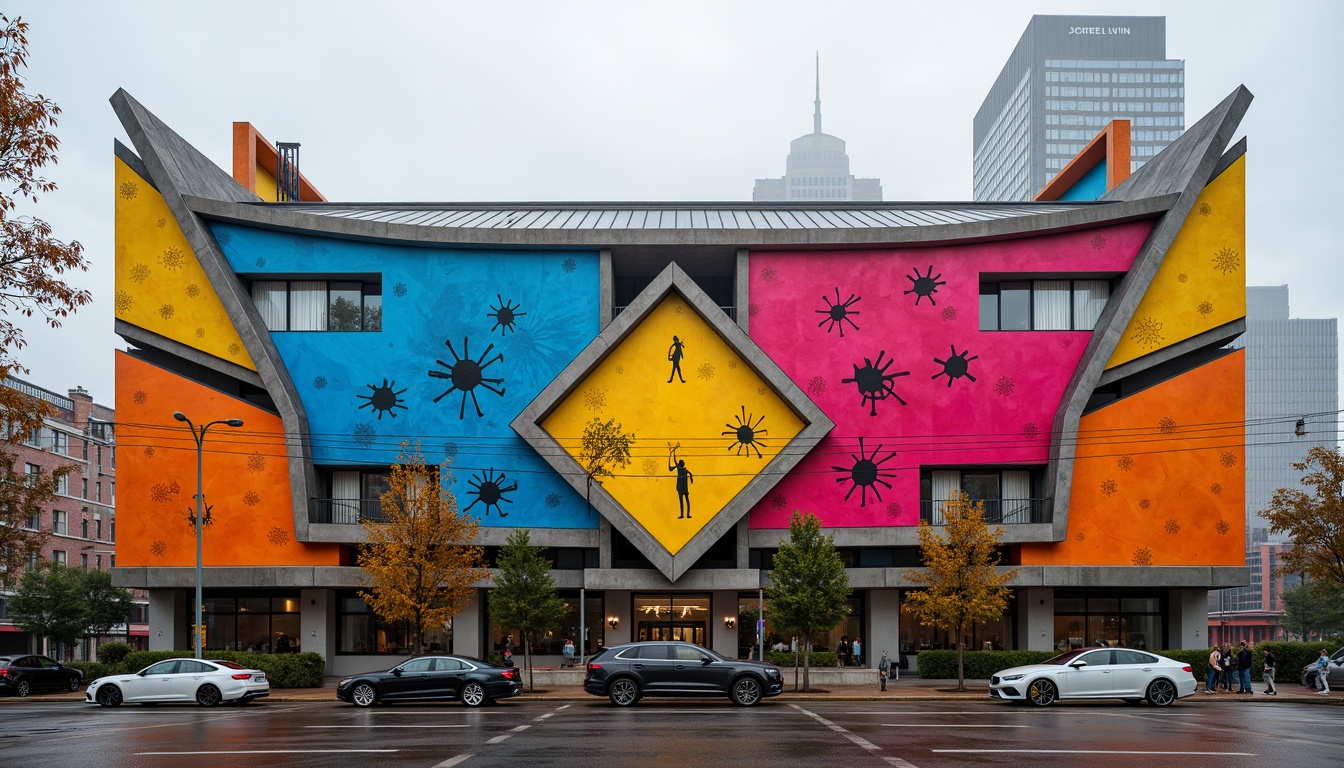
344,682
1006,678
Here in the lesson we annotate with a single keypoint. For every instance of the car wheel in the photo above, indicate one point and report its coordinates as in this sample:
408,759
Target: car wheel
109,696
1161,693
623,692
473,694
74,685
363,695
746,691
1042,693
208,696
23,688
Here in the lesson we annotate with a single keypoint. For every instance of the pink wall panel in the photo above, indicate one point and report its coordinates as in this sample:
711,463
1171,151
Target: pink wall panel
1003,417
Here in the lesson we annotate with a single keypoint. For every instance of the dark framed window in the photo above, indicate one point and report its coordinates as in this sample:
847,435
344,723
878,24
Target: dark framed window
1056,304
1128,620
361,631
319,305
260,622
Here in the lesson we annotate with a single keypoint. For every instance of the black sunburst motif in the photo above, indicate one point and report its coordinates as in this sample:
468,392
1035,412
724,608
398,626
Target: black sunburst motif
383,399
838,314
924,286
489,490
747,434
866,473
956,366
874,382
467,374
505,315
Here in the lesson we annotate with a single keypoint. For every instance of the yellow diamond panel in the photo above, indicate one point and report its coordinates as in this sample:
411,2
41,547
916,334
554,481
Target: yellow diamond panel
699,438
1202,281
160,286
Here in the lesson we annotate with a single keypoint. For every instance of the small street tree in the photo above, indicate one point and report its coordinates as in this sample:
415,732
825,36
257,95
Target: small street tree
961,580
809,591
108,605
1314,609
524,597
22,497
52,603
1314,520
420,565
31,263
602,447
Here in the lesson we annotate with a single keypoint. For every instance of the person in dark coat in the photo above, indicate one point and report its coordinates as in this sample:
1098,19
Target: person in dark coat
1244,670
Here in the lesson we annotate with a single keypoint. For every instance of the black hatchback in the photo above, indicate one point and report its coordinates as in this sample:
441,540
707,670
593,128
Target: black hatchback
472,681
625,673
29,673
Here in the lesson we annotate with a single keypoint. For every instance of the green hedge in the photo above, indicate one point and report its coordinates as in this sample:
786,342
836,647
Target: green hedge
114,653
283,670
786,658
1289,657
93,669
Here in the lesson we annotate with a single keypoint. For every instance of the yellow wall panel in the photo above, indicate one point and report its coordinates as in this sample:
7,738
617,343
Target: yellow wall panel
160,285
716,392
1202,281
266,184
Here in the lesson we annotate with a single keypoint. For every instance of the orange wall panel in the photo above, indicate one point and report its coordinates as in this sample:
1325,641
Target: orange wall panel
1160,477
245,477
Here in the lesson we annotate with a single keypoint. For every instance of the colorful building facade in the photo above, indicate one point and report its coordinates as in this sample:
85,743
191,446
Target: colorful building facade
1065,362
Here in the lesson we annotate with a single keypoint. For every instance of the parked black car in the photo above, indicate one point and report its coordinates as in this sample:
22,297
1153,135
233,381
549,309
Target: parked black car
27,673
625,673
473,681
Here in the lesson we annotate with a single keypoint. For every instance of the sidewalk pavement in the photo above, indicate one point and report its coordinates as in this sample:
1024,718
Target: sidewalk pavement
903,689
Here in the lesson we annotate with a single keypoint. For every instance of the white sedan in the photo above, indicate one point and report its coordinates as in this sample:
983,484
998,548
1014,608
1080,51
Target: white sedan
204,681
1097,673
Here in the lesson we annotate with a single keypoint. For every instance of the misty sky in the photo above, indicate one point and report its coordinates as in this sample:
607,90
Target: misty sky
525,101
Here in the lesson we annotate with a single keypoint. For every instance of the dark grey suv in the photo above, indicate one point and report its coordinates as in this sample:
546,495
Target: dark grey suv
625,673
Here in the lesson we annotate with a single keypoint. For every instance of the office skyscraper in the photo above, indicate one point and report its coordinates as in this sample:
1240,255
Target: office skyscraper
1292,370
817,168
1067,78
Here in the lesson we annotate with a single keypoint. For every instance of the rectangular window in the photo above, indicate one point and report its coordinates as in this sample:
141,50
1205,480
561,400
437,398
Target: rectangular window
98,492
84,488
59,522
319,305
84,561
59,556
84,528
31,474
1043,305
63,485
98,528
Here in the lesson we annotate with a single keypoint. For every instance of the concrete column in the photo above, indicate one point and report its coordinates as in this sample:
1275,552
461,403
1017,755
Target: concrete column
617,604
606,284
741,289
1188,618
884,630
468,626
723,640
604,544
317,623
168,630
1036,630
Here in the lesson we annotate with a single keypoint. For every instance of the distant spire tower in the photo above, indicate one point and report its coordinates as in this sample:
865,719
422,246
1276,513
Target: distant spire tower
816,114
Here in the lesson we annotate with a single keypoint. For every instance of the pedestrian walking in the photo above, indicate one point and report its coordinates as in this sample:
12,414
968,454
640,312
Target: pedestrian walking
568,651
842,652
1270,690
1215,667
1323,673
856,652
1244,670
884,670
1229,668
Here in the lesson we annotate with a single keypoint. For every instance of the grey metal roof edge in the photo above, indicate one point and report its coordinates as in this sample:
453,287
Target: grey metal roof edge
285,219
176,168
145,338
679,205
1229,157
816,424
1198,152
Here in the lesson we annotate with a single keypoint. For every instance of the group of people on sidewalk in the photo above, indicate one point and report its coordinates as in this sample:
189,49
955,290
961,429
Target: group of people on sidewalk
1227,666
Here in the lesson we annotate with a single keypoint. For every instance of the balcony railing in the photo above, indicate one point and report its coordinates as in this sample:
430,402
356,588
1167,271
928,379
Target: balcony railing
997,511
344,511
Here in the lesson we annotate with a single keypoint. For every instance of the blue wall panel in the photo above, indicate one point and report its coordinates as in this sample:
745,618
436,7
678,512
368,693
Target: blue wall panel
1091,187
432,297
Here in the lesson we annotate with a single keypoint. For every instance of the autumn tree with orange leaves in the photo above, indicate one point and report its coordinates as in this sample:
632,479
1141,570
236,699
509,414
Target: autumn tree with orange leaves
961,583
31,265
1314,518
420,564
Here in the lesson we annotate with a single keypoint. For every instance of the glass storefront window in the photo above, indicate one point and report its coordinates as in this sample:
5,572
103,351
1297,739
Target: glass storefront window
360,630
676,616
1130,622
250,622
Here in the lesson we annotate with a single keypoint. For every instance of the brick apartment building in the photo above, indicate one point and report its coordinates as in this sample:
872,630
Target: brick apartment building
81,519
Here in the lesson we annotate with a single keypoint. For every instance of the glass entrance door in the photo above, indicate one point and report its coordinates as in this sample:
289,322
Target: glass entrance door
677,616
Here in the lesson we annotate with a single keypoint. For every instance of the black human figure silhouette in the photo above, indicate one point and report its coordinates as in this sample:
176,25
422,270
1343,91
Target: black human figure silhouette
674,353
684,480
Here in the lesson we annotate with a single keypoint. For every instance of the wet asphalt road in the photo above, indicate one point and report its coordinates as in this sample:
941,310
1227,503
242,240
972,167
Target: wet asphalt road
815,734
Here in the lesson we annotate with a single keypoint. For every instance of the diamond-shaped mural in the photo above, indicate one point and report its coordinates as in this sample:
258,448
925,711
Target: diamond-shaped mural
716,422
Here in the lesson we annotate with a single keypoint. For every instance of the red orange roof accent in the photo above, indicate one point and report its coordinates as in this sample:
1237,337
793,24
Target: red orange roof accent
1112,144
250,148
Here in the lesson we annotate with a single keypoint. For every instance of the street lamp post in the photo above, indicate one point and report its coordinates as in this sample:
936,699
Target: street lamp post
198,434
